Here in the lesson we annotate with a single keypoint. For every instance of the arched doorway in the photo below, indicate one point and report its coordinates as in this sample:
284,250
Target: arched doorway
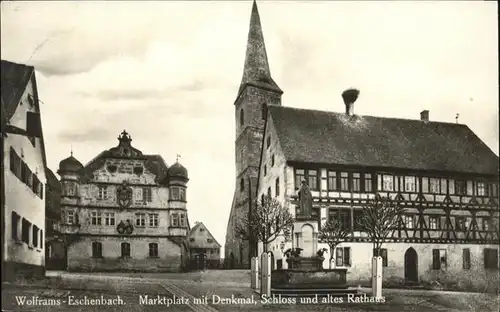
411,265
307,240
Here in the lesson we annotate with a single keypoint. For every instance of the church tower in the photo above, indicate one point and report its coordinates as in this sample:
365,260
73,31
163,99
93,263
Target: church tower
257,90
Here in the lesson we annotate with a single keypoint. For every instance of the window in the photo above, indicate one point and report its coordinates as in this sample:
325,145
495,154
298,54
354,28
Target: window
15,225
466,258
70,217
410,184
368,182
15,162
383,254
490,258
95,218
277,186
102,193
481,189
125,250
175,219
41,238
146,194
312,177
109,218
96,250
242,185
425,185
356,182
344,181
175,193
444,186
268,141
153,250
263,110
272,160
265,170
242,117
345,219
434,223
332,180
138,170
343,256
35,235
460,187
486,223
409,221
24,172
153,219
493,190
434,186
357,217
269,191
387,183
26,227
183,219
140,219
438,259
300,175
460,224
182,194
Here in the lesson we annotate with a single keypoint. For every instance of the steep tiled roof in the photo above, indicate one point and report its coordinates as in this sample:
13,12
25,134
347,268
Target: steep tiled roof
314,136
15,77
199,240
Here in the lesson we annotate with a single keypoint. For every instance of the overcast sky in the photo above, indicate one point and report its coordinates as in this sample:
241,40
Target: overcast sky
168,73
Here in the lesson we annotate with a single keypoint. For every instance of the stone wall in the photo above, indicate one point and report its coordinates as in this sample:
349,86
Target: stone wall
170,255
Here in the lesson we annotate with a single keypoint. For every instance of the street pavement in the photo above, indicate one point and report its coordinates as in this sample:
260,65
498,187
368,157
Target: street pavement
208,291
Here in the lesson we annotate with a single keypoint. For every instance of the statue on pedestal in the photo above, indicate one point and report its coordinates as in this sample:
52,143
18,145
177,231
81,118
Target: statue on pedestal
305,200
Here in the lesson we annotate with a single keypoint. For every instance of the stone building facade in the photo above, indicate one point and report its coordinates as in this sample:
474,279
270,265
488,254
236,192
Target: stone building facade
22,174
124,211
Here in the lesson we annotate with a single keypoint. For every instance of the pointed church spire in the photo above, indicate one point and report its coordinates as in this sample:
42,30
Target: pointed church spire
256,70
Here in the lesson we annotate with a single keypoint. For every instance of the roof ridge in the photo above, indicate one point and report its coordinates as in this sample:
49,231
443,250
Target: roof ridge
358,115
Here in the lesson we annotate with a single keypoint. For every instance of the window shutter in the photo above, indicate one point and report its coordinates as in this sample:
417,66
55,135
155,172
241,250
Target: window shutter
347,256
435,259
466,259
33,125
339,256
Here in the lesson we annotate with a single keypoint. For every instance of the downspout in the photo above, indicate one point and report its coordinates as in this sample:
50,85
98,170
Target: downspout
2,197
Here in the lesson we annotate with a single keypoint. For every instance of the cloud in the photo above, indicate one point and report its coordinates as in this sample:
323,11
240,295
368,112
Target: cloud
125,93
87,134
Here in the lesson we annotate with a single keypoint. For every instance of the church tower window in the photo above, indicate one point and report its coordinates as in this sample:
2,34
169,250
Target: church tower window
242,185
242,117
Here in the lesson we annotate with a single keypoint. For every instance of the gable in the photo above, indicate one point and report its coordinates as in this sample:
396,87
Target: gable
200,237
314,136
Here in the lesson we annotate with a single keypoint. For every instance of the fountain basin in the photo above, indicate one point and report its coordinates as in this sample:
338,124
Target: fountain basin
307,279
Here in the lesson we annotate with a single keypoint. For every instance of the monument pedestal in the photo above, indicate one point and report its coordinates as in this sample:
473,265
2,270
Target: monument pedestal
305,236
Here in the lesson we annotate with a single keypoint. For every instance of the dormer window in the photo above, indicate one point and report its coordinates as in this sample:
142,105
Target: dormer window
138,170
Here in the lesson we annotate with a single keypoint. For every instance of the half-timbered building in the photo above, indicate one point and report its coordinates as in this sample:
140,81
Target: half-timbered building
442,173
124,210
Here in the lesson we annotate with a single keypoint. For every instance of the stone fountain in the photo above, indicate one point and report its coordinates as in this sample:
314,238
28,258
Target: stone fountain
305,274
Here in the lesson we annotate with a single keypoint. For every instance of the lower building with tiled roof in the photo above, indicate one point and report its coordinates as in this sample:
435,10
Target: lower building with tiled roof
122,211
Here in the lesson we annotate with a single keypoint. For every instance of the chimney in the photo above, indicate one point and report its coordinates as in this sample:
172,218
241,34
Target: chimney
350,96
424,115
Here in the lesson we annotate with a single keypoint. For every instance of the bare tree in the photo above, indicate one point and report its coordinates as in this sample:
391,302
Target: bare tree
380,217
333,233
265,222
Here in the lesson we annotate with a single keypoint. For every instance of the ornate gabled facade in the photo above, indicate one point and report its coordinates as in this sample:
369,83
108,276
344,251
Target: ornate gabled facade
22,174
257,89
124,210
442,173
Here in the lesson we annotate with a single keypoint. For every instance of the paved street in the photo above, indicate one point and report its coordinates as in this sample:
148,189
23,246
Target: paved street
164,292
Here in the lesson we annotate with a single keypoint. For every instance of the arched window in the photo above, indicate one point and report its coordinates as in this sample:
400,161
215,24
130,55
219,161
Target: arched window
242,185
263,109
96,250
125,250
153,250
242,117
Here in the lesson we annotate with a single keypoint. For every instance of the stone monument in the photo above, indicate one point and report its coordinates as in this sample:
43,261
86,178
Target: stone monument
305,228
